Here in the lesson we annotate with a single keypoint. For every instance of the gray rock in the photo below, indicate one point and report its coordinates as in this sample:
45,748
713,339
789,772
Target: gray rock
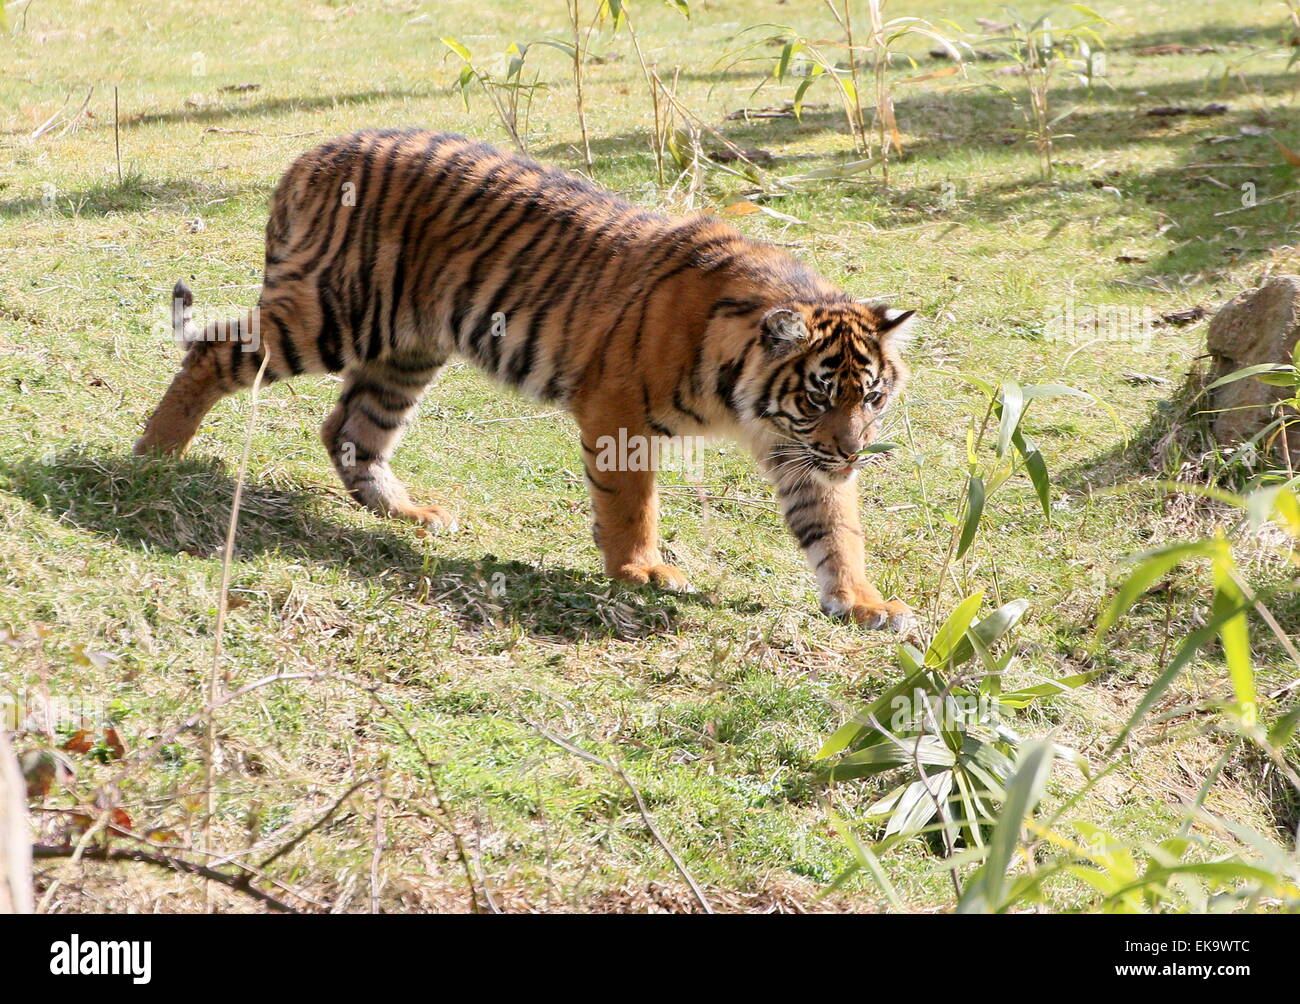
1260,325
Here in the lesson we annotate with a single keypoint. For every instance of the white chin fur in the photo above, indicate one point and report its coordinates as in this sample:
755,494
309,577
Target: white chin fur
832,478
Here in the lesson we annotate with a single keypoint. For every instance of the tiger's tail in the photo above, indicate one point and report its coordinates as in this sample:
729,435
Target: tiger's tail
222,357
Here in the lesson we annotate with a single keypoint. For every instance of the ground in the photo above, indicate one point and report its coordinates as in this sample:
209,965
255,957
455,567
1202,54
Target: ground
439,666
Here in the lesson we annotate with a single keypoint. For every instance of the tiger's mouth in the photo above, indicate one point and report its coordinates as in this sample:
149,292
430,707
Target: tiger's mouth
837,471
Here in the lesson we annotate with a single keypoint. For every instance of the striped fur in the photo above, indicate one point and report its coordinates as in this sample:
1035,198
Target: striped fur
388,252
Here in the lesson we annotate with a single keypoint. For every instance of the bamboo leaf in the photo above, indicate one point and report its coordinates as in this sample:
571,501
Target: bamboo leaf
974,509
1151,567
1254,371
1234,632
1192,644
984,893
860,728
865,859
947,638
456,47
1036,468
987,630
1011,408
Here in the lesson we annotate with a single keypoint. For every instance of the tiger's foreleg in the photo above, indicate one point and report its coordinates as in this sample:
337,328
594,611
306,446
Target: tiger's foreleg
824,520
625,504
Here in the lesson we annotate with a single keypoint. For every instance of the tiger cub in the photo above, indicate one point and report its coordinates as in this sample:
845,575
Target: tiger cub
389,251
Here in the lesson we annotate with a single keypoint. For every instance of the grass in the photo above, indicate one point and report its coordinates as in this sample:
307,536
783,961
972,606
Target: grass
464,648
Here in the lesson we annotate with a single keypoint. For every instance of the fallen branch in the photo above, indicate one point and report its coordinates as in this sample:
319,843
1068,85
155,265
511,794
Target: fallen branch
44,127
239,883
618,772
253,132
325,818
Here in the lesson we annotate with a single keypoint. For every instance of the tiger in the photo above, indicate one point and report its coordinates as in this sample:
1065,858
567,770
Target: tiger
388,252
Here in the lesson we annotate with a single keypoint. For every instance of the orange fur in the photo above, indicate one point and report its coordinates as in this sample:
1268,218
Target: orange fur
389,251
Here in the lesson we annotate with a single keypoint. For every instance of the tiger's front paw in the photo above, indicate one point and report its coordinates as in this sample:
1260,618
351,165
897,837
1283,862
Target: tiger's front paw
877,615
664,576
891,615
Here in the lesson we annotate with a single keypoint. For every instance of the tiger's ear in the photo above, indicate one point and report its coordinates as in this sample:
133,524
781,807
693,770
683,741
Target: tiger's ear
783,329
896,327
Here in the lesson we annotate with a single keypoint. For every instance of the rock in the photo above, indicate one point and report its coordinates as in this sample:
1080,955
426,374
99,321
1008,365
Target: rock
1258,326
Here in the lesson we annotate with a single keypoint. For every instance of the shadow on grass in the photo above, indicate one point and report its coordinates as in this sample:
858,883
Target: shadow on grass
1200,194
183,506
266,107
134,194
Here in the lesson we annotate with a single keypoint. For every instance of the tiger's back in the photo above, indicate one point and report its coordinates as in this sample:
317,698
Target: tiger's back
410,244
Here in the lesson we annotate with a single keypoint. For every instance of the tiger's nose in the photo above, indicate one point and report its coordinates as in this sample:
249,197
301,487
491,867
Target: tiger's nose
850,445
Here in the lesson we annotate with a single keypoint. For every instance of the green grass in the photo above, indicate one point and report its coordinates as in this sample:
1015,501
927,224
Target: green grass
714,702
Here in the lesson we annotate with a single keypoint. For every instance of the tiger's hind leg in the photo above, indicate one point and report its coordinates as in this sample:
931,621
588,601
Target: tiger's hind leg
379,400
222,359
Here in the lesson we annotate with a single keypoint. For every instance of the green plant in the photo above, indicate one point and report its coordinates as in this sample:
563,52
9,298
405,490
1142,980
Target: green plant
1273,441
945,733
511,96
1006,405
1039,52
814,60
1177,874
619,15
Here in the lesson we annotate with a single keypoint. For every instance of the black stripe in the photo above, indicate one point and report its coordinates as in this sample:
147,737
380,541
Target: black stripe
373,292
385,397
327,232
382,421
681,406
462,297
676,240
596,484
284,342
727,307
571,294
524,357
799,507
236,358
424,178
328,339
728,375
643,296
810,535
663,430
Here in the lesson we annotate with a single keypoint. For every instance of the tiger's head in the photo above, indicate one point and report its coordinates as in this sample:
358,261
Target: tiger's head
834,368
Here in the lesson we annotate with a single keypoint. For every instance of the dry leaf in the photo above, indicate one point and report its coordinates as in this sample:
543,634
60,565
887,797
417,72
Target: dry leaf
1291,156
114,744
38,772
84,656
80,742
946,71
